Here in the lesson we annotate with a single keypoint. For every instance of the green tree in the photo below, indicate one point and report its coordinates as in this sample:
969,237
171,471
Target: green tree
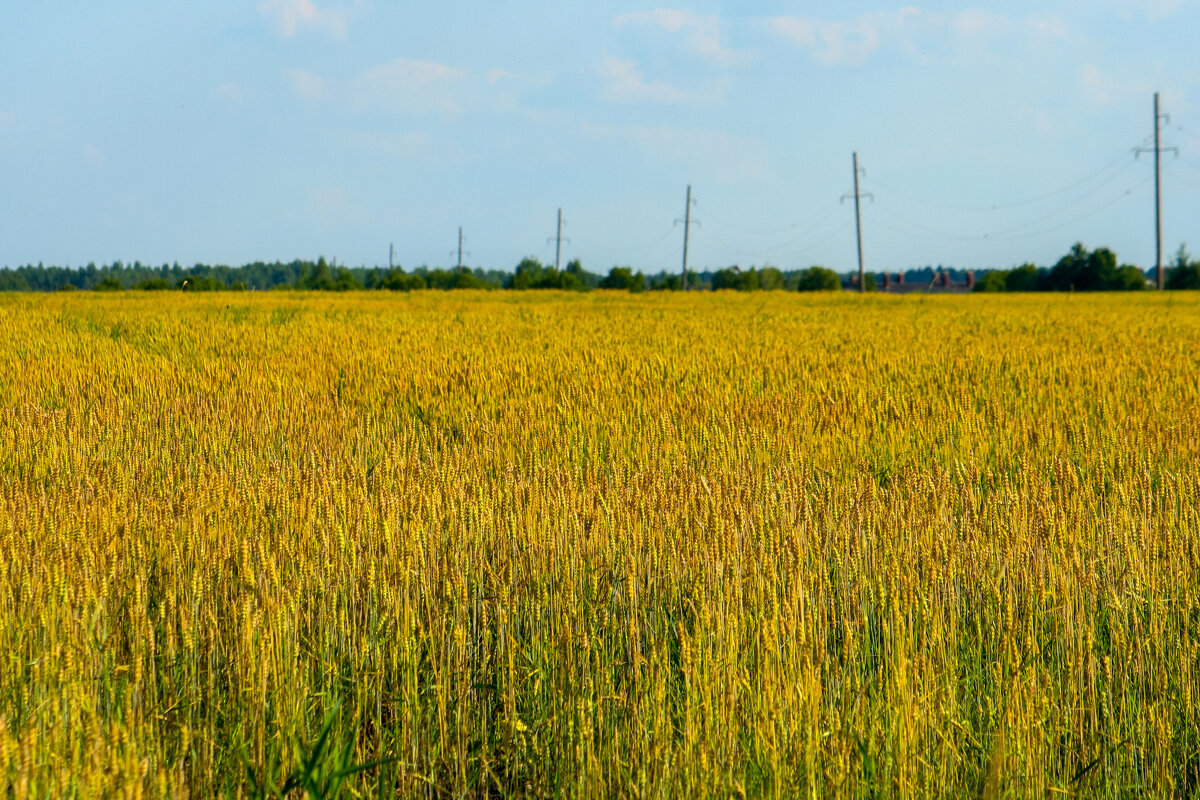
1084,271
770,279
529,274
816,279
1130,278
624,278
154,285
1184,272
345,281
1025,278
994,280
734,278
319,278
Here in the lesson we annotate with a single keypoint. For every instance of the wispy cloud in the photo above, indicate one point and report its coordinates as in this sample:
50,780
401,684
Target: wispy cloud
701,32
1152,10
910,30
308,85
1103,88
290,17
410,144
416,87
626,83
720,155
94,157
233,92
403,85
332,206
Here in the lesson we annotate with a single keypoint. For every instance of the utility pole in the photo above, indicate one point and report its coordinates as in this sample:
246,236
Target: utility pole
558,243
391,254
1158,271
858,195
1159,119
558,239
687,230
460,250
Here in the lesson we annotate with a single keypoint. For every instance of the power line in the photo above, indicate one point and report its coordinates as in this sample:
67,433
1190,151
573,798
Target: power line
626,251
842,229
804,235
1007,236
1008,232
1016,204
816,218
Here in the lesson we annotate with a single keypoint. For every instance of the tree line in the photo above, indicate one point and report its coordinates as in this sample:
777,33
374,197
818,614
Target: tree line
1088,271
1079,270
327,275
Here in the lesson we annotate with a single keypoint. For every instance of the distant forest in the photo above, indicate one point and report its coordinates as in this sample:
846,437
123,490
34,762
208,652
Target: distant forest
1079,270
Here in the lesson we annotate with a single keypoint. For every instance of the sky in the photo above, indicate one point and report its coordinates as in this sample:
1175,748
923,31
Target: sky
989,134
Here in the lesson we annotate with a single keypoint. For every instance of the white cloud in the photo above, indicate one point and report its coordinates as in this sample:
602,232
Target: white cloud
830,42
910,30
1048,25
309,85
1039,121
332,206
1152,10
417,87
627,84
1104,89
292,16
411,144
702,32
233,92
93,156
720,155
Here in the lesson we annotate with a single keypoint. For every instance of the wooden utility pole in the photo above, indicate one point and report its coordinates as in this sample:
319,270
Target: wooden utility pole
1158,261
558,240
687,229
858,196
1158,150
862,282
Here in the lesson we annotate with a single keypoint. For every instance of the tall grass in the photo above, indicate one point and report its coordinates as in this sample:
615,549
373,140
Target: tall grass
596,546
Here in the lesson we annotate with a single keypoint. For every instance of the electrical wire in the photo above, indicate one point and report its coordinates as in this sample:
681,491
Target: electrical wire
828,238
1127,193
735,250
625,252
1012,234
1003,233
812,221
999,206
1186,132
1186,180
813,226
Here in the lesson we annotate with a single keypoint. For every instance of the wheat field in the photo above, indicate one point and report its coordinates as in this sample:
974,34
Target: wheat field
465,545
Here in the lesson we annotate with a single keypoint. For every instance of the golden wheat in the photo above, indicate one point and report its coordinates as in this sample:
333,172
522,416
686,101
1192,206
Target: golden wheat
596,546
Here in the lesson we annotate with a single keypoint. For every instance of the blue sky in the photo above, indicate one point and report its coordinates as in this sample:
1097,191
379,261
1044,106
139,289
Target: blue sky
227,132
